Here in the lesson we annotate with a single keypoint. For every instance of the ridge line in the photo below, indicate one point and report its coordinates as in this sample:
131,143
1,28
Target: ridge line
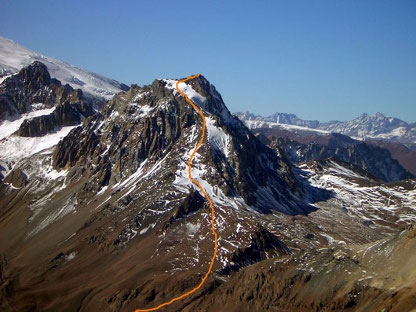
211,205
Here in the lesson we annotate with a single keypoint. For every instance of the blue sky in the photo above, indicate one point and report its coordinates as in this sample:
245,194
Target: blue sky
321,60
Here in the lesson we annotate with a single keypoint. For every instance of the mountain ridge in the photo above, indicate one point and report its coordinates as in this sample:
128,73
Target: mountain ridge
365,126
13,57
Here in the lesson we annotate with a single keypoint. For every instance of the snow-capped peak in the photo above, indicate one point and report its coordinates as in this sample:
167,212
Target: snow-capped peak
363,127
203,94
14,57
197,98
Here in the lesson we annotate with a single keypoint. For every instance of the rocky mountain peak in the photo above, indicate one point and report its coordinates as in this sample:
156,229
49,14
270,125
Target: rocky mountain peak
35,75
154,123
204,95
14,57
114,199
214,103
32,90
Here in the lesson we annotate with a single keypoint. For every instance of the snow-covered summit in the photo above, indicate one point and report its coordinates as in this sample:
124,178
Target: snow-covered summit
14,57
203,94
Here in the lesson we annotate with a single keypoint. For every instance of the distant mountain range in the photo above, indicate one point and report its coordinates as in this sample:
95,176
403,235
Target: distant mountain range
364,127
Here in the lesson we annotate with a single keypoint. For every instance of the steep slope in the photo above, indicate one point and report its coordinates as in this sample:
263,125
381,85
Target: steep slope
35,111
375,126
374,277
115,191
32,89
109,220
13,57
405,154
152,116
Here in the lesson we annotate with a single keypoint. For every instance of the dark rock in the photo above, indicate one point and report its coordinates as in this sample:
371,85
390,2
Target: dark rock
192,203
66,114
33,85
114,145
375,160
263,245
16,178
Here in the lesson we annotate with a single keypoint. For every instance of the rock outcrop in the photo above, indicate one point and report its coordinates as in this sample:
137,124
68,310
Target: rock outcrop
32,89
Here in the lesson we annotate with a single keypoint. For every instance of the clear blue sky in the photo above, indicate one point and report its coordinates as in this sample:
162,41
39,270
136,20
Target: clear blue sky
321,60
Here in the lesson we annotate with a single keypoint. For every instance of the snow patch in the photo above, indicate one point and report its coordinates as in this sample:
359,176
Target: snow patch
9,127
149,227
217,138
197,98
16,147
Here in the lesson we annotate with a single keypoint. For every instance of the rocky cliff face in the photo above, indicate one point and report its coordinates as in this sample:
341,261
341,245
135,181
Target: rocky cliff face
35,112
33,89
148,123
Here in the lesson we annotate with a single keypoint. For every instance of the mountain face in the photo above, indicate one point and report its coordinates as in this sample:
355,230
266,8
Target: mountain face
149,124
117,188
41,99
35,110
340,278
364,127
97,211
384,157
253,121
300,147
404,153
107,218
32,89
13,57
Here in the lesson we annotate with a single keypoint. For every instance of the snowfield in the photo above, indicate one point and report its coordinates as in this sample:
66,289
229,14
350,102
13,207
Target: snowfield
9,127
14,57
15,148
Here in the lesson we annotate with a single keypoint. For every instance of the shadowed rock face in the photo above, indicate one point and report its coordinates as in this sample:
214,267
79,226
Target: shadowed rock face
33,85
264,245
66,114
303,147
16,178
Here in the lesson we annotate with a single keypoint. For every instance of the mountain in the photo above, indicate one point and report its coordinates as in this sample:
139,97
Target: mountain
301,146
378,152
13,57
108,219
364,127
36,111
254,121
404,153
116,188
41,100
339,278
97,211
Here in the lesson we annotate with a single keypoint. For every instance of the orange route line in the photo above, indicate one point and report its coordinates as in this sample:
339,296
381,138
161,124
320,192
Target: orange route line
211,205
